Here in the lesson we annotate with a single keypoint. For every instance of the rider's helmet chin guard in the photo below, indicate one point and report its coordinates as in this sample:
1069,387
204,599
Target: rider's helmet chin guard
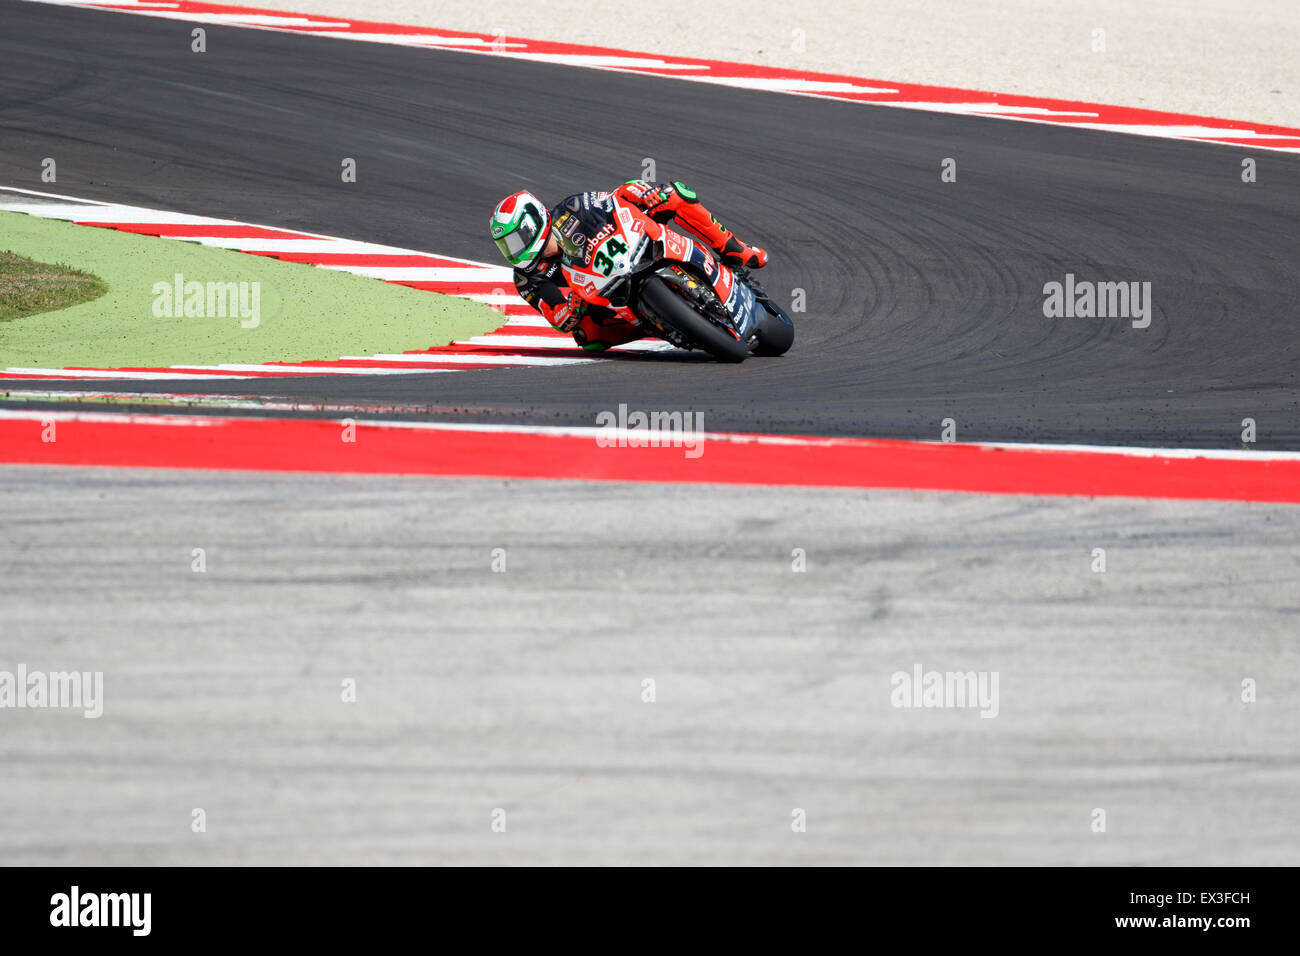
520,227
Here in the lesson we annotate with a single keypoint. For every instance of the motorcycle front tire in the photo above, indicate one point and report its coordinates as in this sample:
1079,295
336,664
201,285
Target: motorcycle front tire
673,308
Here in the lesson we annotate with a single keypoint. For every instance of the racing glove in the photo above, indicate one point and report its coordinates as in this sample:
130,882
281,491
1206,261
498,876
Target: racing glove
567,316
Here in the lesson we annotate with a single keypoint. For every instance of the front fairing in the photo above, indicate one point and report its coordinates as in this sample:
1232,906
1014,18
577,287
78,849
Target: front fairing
735,296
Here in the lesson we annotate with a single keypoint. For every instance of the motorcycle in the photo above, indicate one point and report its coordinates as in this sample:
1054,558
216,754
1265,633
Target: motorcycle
675,288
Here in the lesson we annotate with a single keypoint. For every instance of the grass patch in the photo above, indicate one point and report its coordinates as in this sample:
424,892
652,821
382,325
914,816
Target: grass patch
304,312
28,287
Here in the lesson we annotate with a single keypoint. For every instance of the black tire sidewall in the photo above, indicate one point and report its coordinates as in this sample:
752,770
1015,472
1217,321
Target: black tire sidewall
669,304
774,335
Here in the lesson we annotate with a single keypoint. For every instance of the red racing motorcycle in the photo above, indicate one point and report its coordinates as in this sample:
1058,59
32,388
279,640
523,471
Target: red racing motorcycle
675,288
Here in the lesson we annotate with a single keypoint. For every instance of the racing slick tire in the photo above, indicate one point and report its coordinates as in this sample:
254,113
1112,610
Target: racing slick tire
672,308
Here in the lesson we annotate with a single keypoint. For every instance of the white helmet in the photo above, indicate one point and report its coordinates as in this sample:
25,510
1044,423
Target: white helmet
520,227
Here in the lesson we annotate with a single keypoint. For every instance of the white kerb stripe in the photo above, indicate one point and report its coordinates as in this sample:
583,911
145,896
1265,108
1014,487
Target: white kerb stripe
110,373
314,369
462,358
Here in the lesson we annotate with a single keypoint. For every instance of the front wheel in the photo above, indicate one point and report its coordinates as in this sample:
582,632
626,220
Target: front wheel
674,310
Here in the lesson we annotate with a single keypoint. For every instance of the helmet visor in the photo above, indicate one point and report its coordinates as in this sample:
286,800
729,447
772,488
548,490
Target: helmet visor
515,245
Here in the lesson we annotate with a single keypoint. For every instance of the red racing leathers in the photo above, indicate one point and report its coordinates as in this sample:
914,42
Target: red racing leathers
544,287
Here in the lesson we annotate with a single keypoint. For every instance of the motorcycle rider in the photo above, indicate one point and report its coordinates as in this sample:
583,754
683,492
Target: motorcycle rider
535,239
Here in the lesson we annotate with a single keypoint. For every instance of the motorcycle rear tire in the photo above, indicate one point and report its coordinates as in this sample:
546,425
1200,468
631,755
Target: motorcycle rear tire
775,334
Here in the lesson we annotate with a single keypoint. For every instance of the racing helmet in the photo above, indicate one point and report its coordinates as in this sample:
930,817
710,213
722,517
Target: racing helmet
520,227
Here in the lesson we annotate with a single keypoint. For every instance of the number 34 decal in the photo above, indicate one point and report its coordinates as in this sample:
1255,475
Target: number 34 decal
603,260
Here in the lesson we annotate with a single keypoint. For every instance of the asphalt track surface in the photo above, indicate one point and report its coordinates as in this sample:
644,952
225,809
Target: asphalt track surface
924,299
523,689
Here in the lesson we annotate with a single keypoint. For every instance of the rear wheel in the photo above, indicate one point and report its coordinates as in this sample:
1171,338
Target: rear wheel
775,334
669,305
